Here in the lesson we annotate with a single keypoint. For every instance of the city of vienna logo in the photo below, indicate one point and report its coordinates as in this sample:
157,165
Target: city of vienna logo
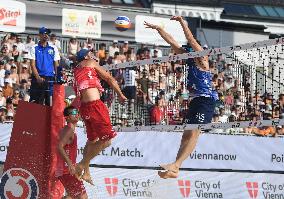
18,183
111,185
252,189
184,187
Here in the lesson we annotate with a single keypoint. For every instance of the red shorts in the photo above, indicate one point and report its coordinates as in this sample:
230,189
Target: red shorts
72,185
96,118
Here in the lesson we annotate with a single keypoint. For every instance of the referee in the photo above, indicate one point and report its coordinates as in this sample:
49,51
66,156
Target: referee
44,62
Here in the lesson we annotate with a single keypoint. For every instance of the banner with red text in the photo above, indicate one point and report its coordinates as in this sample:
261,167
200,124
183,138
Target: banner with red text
12,16
81,23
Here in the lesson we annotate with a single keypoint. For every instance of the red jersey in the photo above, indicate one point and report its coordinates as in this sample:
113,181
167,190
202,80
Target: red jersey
84,78
71,150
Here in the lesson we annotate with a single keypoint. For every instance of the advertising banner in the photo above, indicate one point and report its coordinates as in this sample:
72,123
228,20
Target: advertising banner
26,168
149,36
81,23
141,184
213,151
12,16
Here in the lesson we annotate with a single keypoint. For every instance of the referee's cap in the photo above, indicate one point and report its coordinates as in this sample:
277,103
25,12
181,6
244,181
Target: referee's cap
44,30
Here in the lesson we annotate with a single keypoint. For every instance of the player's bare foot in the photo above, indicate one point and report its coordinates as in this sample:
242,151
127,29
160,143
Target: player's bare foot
87,177
167,174
170,167
78,170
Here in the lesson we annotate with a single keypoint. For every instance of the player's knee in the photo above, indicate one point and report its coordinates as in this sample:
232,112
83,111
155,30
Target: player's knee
191,134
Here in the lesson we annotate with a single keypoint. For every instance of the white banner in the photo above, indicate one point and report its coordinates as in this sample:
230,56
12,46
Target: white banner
149,36
81,23
149,149
140,184
12,16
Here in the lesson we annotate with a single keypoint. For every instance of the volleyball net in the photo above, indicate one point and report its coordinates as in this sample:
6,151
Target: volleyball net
249,79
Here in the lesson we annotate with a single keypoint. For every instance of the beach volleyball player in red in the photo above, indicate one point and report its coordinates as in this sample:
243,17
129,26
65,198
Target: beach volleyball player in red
67,149
87,75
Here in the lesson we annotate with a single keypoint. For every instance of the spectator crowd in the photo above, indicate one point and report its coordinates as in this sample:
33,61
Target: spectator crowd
157,93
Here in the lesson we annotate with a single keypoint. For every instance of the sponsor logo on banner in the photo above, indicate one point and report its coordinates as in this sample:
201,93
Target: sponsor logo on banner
265,190
111,186
12,16
81,23
18,183
252,189
200,188
184,187
132,188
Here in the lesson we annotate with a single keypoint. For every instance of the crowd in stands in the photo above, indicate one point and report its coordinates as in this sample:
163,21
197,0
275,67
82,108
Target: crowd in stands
160,89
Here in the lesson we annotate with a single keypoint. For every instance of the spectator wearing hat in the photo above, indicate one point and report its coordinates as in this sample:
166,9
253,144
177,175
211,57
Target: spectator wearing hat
29,44
153,91
7,78
24,75
113,48
54,41
44,62
14,75
125,47
23,90
9,63
25,62
156,50
2,72
73,47
7,89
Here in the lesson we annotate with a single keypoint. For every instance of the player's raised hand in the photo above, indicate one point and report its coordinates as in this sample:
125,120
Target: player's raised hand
176,18
152,26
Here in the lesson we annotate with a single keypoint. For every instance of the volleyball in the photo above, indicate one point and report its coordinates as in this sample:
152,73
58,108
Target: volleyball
122,23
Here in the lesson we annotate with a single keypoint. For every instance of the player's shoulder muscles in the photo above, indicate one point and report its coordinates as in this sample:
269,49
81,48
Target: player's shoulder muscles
66,134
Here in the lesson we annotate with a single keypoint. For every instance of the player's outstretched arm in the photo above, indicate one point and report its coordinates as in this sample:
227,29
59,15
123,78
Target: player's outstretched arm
167,37
201,62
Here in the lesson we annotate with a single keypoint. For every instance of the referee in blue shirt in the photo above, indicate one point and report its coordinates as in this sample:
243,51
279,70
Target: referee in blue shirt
44,62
